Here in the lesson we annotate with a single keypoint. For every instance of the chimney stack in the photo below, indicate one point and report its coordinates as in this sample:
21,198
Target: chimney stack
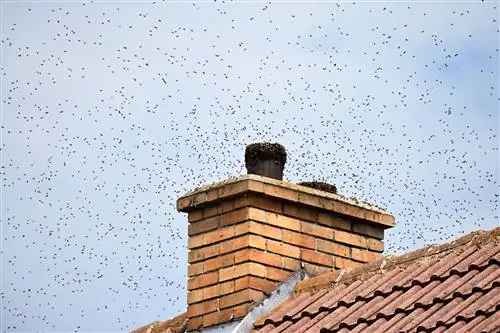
249,233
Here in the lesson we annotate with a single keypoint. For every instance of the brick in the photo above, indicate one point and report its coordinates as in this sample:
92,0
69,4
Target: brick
375,245
265,230
316,270
241,201
316,230
211,211
346,263
195,296
257,242
316,257
203,280
263,285
195,269
217,290
290,263
350,238
333,248
225,315
283,249
234,217
203,225
283,221
232,272
276,274
308,199
195,215
366,229
255,186
212,195
202,308
230,190
299,239
301,212
203,253
218,262
256,269
266,258
255,295
194,323
234,299
281,192
333,221
227,206
234,244
218,235
253,282
365,255
264,203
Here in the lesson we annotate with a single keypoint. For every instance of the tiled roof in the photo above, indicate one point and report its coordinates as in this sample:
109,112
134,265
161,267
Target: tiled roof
453,287
177,324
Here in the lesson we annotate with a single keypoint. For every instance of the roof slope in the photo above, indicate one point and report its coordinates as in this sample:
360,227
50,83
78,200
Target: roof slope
453,287
177,324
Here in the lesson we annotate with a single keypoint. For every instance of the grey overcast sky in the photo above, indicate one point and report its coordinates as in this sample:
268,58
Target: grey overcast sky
113,109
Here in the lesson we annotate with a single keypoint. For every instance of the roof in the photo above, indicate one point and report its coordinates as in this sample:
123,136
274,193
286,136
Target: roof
177,324
453,287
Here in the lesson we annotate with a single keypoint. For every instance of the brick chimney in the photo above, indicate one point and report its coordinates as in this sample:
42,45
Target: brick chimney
249,233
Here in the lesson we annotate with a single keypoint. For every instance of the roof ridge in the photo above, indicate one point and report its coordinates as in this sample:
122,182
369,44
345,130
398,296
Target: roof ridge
477,238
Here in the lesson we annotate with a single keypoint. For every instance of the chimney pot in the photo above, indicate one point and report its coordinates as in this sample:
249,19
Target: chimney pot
265,159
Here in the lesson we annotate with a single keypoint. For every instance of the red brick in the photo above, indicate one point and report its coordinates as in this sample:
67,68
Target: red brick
217,290
225,315
276,274
232,272
195,296
316,230
283,249
218,262
375,245
268,204
332,221
195,269
203,280
234,217
317,258
281,192
211,210
301,212
234,244
234,299
195,215
308,199
365,255
203,225
333,248
257,242
202,308
256,269
366,229
299,239
265,230
194,323
203,253
346,263
350,238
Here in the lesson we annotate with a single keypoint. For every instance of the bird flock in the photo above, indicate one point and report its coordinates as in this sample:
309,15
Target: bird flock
113,110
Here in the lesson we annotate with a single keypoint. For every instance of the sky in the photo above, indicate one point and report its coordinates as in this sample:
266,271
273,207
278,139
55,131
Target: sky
111,110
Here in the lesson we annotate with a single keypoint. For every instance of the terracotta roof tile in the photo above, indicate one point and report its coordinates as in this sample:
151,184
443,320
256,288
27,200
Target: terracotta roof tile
450,287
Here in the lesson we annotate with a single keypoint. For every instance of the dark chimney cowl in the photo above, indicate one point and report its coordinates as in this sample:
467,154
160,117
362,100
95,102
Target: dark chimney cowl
265,159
